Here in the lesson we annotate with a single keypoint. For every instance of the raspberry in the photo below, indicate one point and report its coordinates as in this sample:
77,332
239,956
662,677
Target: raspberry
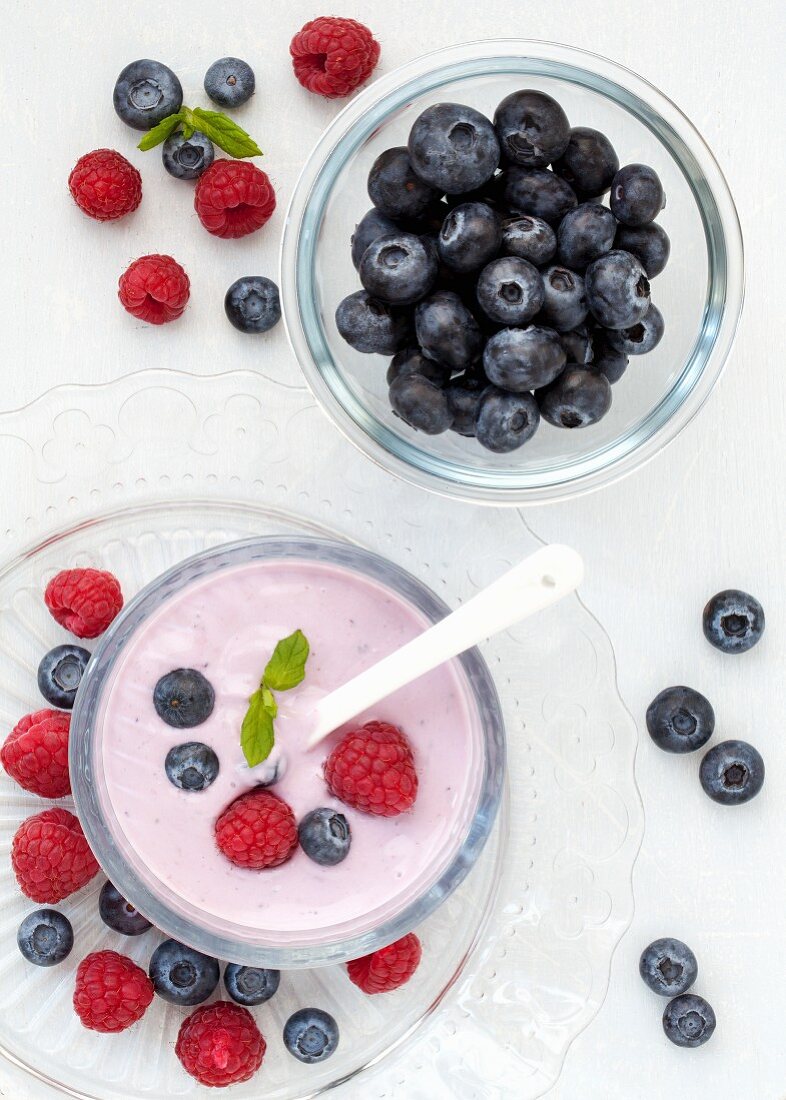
333,56
105,185
233,198
50,856
388,968
257,830
84,601
372,769
35,753
154,289
111,992
220,1044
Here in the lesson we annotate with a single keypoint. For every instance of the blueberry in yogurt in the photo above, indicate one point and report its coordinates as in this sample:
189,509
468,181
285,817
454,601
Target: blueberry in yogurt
192,766
184,698
325,836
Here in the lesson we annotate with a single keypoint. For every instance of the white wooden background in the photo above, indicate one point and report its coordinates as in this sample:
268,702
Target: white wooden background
709,513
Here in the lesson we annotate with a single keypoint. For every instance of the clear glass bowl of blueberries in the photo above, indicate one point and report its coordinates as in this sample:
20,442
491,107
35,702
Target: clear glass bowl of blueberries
512,271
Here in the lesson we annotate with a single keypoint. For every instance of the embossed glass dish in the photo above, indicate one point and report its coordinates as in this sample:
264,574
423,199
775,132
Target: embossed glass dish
699,293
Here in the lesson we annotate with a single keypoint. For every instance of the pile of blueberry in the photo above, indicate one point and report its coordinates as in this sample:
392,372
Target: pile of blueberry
669,968
504,290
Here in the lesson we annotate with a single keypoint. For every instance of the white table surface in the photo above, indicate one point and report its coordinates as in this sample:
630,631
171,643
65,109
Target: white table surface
707,514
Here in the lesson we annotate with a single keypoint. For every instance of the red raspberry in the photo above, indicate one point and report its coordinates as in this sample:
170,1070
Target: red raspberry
233,198
35,753
154,289
387,968
105,185
84,601
372,769
220,1044
257,830
111,992
333,56
50,856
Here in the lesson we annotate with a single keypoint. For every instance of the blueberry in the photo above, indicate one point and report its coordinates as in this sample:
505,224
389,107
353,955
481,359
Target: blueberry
585,234
578,346
732,773
394,188
576,399
413,361
183,698
45,937
252,304
447,331
668,967
420,403
470,236
370,326
650,245
464,393
146,92
119,914
529,238
607,359
187,158
522,359
505,421
641,337
192,766
60,674
564,299
325,836
398,269
311,1035
230,82
250,985
733,621
538,192
373,224
589,162
636,195
510,290
688,1020
680,719
532,128
182,975
618,291
453,148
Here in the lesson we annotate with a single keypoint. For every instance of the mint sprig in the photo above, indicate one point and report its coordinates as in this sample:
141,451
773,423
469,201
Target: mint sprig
216,126
284,671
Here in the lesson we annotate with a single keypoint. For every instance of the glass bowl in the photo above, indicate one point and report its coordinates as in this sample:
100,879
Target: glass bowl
699,293
240,940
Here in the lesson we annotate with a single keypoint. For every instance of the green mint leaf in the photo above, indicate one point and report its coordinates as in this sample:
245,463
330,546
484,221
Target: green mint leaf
269,700
287,667
225,133
256,733
161,132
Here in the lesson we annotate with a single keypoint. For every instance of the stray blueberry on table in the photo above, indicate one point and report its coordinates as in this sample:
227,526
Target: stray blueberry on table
505,421
576,399
183,698
60,674
642,337
733,621
589,162
732,773
470,236
447,331
680,719
230,82
585,234
187,158
529,238
252,304
182,975
510,290
453,148
371,326
688,1020
420,403
618,291
636,195
145,93
398,268
532,128
191,766
373,224
650,245
522,359
668,967
395,189
311,1035
250,985
564,299
325,836
119,914
538,192
45,937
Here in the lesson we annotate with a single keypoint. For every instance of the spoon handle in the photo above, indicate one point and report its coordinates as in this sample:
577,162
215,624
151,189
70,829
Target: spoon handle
534,584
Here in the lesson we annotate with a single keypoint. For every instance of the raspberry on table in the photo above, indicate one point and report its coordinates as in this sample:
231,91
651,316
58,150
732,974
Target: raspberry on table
84,601
50,856
373,769
333,56
105,185
111,992
220,1045
234,198
388,968
155,289
35,753
257,830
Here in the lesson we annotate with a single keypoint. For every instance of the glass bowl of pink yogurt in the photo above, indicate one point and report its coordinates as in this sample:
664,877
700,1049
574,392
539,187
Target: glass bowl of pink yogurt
222,612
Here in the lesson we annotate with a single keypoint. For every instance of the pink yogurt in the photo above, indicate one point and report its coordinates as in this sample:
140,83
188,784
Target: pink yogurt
226,625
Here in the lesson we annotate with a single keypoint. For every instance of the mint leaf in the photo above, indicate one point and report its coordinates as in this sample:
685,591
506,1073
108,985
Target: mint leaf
256,733
287,667
225,133
161,132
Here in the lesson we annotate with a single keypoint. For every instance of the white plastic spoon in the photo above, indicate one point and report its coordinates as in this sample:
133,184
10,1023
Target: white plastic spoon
535,583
